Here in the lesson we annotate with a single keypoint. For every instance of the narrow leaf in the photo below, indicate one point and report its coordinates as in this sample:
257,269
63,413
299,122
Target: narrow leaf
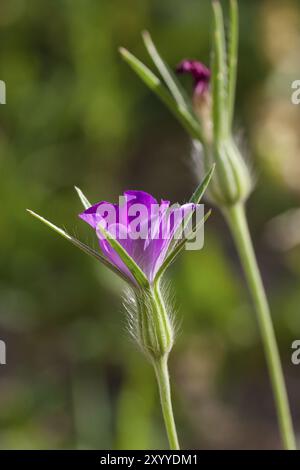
80,245
168,76
154,83
85,202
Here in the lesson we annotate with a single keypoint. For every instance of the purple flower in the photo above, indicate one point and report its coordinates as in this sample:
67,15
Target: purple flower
199,72
143,227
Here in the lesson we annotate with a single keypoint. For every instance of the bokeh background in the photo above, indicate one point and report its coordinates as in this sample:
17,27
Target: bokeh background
76,115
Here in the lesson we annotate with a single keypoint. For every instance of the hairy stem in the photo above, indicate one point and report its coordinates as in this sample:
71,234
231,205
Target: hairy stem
236,218
162,376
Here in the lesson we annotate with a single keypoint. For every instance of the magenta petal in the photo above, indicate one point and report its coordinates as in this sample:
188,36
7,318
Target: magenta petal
199,72
140,197
143,227
94,214
113,256
178,218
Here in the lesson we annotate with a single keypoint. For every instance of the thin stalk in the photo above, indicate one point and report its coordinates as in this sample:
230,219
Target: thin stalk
237,220
232,59
162,376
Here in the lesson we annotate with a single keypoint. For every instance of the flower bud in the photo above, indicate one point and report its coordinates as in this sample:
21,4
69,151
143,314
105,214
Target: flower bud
201,94
149,322
231,183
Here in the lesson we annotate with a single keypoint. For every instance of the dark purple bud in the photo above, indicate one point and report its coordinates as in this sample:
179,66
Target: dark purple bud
200,73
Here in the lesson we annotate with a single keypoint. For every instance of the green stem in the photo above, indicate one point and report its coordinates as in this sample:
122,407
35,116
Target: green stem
162,375
237,220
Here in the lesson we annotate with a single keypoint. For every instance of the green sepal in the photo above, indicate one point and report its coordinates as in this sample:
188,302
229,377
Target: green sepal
135,270
82,246
201,188
194,199
84,200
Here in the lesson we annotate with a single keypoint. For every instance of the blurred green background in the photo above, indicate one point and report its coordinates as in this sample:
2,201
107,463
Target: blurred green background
76,115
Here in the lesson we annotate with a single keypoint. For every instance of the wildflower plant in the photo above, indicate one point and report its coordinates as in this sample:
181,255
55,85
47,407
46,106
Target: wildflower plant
208,119
139,238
